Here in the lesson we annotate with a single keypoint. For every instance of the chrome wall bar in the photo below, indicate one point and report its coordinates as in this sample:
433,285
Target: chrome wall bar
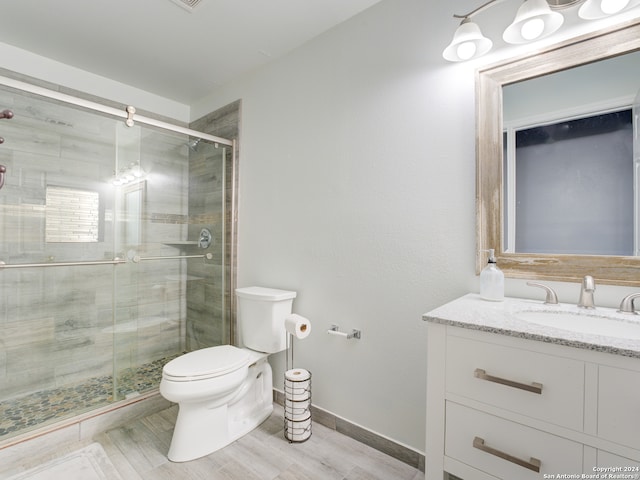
187,131
138,258
335,330
124,114
115,261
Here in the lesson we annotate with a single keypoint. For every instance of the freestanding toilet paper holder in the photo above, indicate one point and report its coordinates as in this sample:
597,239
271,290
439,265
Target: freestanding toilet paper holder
297,402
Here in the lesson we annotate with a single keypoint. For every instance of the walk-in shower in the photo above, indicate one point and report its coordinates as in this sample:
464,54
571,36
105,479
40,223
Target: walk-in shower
105,272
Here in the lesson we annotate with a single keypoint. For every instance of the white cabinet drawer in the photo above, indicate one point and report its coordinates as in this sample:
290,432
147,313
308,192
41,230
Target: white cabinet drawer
538,385
619,405
506,449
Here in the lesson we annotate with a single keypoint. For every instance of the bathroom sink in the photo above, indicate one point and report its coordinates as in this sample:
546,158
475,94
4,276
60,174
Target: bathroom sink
592,323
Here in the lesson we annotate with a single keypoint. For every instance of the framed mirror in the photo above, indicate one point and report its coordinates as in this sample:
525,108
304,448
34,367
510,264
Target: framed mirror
494,221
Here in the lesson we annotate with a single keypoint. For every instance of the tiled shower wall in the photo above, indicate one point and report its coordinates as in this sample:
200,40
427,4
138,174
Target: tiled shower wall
62,324
205,325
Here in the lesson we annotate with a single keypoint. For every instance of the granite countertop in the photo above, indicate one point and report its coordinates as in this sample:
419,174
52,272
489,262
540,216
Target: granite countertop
471,311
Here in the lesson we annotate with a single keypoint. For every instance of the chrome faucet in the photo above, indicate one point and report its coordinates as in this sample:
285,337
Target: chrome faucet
586,292
552,298
626,305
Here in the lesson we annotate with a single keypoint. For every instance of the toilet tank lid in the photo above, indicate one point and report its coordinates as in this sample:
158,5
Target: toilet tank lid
266,294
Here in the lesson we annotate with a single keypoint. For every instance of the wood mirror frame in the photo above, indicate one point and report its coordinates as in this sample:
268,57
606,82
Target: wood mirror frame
615,270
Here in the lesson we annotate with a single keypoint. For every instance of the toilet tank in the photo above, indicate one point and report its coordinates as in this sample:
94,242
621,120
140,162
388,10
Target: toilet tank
261,314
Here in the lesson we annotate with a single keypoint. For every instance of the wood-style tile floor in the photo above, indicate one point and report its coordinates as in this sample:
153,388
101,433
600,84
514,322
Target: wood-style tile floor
138,451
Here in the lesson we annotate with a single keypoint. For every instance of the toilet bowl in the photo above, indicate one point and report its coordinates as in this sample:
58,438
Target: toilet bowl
224,392
211,411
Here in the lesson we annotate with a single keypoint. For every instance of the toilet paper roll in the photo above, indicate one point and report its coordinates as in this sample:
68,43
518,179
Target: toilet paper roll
297,384
297,375
297,411
298,431
297,325
297,394
298,405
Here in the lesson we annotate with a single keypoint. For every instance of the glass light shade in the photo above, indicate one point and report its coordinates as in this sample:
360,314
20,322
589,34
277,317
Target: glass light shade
532,29
468,42
533,21
595,9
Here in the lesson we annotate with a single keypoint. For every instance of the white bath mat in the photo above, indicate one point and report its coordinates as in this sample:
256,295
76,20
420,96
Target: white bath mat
88,463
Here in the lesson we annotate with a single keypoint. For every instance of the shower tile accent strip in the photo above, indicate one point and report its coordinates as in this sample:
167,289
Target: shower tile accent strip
170,218
48,406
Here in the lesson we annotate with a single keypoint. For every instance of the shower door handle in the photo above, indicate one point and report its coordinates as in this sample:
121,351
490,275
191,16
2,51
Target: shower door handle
8,114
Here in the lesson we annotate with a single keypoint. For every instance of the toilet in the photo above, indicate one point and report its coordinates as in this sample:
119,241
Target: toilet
224,392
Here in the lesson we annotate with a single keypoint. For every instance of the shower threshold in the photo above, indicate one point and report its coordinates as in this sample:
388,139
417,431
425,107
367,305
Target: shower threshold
39,409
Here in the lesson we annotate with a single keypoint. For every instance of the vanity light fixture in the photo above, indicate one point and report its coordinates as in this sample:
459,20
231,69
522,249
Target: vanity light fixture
535,19
595,9
468,42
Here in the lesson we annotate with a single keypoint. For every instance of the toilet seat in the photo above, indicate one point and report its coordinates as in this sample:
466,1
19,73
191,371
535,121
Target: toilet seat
206,363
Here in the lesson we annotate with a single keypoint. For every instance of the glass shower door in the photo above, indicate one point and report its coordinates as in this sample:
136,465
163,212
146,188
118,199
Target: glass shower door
56,239
105,277
168,292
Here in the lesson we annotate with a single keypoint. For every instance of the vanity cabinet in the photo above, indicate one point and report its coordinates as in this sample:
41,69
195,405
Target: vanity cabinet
503,407
619,402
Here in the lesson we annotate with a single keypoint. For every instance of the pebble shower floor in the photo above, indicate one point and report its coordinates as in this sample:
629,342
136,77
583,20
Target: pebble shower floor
48,406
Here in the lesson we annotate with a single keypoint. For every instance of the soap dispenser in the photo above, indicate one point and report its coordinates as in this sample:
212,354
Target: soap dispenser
492,280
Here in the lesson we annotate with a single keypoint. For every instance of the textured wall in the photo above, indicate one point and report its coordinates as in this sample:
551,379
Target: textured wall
357,191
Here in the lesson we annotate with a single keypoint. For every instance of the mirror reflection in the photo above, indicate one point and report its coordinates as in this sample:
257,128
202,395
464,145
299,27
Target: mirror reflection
570,182
549,113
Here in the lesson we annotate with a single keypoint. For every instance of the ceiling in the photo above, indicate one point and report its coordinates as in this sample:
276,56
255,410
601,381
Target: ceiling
164,47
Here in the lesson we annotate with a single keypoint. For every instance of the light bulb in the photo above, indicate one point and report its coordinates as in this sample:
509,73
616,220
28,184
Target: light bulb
468,42
613,6
595,9
532,29
466,50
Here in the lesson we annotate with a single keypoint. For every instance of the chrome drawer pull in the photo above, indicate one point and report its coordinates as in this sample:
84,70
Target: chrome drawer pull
532,464
534,387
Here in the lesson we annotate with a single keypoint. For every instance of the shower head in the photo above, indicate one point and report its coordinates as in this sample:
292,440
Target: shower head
193,144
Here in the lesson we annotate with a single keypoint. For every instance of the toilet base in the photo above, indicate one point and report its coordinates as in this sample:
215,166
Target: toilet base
200,430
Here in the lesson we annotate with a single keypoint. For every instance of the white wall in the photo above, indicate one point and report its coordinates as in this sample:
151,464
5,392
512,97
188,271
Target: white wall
27,63
357,190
